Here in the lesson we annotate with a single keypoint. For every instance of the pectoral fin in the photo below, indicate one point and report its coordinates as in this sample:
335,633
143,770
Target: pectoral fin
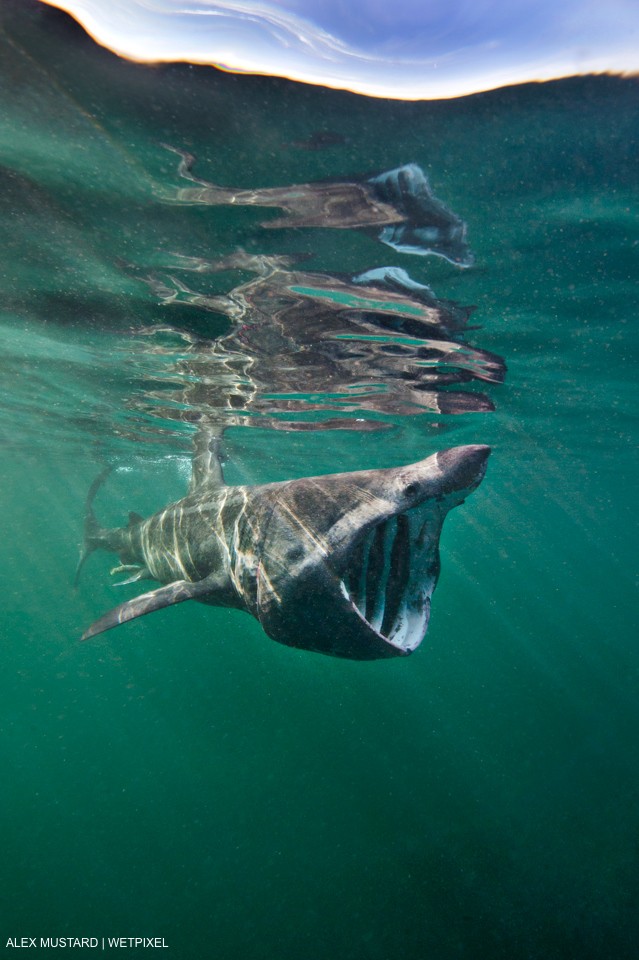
166,596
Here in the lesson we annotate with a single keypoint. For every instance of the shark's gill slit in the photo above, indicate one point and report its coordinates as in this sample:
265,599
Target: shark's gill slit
388,538
355,589
374,572
399,574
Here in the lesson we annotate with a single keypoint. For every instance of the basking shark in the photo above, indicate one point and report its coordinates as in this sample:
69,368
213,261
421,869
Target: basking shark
342,564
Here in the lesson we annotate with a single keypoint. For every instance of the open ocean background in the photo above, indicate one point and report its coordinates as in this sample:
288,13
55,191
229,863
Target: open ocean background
187,778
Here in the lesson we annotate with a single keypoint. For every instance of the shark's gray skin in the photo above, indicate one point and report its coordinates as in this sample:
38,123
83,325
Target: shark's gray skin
398,206
342,564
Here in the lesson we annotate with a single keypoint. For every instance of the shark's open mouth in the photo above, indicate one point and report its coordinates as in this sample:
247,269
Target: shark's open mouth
391,575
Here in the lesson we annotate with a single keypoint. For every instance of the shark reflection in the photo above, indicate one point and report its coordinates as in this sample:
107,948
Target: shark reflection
397,206
300,343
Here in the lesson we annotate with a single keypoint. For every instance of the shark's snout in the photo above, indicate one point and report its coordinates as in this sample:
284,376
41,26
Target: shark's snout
463,467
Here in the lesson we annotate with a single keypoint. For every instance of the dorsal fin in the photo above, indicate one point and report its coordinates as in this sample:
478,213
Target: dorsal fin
135,518
207,460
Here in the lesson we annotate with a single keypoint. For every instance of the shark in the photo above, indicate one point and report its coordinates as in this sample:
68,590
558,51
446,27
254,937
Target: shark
342,564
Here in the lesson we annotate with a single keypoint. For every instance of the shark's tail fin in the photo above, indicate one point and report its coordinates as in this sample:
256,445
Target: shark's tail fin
94,535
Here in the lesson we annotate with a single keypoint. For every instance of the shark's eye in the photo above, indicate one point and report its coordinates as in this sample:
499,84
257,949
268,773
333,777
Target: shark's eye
411,489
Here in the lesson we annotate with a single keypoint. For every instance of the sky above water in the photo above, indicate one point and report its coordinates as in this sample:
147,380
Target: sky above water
406,50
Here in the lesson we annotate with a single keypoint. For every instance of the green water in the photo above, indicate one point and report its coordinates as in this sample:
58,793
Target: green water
188,778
